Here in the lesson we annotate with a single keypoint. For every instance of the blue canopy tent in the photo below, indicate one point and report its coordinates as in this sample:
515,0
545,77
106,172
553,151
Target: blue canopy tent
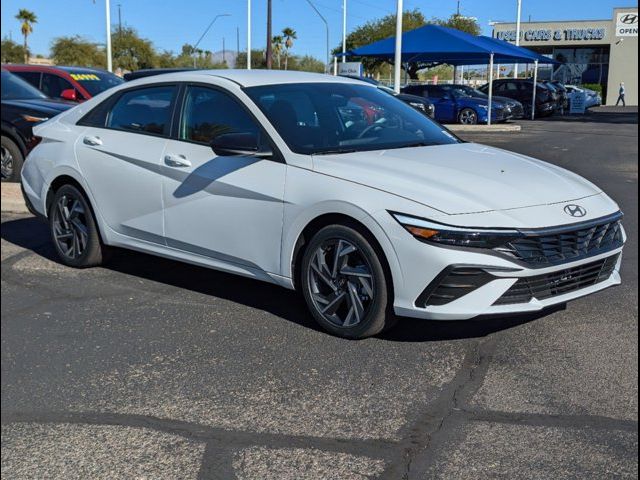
437,45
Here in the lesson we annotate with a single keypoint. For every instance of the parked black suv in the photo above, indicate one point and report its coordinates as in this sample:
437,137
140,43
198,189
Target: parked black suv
23,106
522,90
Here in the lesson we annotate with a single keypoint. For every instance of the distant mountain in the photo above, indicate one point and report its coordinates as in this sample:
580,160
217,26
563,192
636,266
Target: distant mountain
229,56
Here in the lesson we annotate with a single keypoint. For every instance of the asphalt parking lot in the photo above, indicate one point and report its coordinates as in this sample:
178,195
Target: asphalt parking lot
152,369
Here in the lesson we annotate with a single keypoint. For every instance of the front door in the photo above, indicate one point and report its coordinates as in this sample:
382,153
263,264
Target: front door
119,154
227,208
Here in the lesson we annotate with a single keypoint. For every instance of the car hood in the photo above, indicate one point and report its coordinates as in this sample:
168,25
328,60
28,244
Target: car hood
44,105
459,178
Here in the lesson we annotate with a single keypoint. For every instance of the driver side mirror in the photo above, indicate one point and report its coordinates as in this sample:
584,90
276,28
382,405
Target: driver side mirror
69,94
239,145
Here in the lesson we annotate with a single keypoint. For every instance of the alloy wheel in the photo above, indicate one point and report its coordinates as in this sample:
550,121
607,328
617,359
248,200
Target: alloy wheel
6,167
70,229
468,117
341,283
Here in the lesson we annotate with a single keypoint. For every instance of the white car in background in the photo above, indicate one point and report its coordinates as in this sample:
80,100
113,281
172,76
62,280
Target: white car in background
323,184
592,98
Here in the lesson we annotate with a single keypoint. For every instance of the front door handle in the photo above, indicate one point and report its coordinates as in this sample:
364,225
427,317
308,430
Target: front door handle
91,140
179,161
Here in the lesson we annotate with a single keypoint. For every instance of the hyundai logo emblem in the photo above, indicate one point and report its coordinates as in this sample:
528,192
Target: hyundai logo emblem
629,19
575,210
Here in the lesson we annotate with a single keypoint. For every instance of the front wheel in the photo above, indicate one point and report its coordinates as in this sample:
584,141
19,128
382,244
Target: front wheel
73,229
468,116
344,283
12,160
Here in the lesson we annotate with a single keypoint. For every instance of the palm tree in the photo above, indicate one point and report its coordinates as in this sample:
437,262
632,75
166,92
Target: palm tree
278,45
28,18
289,36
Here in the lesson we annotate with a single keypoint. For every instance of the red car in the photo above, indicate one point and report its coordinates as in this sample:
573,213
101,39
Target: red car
76,84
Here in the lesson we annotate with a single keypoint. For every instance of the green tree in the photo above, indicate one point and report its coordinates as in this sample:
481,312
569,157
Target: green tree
258,60
27,19
307,64
277,45
77,51
460,22
130,52
289,35
11,52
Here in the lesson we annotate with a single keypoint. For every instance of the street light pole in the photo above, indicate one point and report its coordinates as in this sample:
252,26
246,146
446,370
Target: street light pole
326,25
205,32
248,34
398,55
108,21
518,18
344,31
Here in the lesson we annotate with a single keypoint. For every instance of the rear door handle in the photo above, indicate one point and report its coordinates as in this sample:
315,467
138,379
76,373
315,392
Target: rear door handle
91,140
179,161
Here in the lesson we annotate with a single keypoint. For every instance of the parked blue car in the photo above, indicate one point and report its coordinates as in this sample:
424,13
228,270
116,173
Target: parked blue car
456,105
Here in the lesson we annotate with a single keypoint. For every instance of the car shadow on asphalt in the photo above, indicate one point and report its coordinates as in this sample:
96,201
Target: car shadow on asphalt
620,117
32,234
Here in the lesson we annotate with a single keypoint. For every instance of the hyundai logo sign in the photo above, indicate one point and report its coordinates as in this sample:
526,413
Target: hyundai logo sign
629,19
627,24
575,210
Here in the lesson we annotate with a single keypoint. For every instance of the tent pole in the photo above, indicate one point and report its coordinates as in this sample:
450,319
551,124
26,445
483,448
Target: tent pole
535,89
398,54
490,89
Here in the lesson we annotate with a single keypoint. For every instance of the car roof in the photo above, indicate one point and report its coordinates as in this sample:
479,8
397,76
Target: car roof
52,68
252,78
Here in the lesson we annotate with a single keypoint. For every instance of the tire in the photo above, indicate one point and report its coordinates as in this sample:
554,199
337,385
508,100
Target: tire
12,160
73,229
468,116
358,289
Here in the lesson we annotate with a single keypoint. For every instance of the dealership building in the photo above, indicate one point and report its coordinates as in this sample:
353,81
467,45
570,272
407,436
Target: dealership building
591,51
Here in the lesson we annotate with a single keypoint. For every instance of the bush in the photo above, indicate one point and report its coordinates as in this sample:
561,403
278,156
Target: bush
596,87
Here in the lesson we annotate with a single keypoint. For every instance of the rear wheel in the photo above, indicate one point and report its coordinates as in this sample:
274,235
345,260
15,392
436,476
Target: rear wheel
73,229
468,116
344,283
12,160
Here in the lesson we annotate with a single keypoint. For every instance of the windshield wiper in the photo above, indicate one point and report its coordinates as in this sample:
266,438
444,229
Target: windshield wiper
335,152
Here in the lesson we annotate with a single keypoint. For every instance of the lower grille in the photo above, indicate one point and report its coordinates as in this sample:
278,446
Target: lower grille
553,284
452,284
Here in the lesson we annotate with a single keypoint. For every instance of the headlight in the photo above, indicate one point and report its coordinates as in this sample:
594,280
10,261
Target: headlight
438,233
418,105
484,107
32,119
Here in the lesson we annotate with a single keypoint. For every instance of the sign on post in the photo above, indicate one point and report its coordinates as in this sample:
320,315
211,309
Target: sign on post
578,103
350,68
627,24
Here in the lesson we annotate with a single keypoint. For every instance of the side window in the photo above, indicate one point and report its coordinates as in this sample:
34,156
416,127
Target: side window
53,85
436,93
511,87
144,110
31,77
208,113
501,87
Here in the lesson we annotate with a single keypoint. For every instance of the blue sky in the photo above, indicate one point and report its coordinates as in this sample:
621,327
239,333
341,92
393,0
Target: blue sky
171,23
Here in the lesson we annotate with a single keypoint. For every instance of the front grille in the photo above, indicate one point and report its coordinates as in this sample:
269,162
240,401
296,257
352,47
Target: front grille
549,247
517,111
553,284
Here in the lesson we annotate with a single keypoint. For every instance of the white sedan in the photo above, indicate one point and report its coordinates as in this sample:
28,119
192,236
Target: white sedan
325,185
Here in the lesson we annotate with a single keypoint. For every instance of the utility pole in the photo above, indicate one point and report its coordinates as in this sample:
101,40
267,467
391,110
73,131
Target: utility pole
398,55
119,19
458,11
269,34
224,51
519,16
108,22
248,34
195,47
344,31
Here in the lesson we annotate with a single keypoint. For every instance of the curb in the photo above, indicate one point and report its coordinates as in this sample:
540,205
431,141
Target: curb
11,199
485,128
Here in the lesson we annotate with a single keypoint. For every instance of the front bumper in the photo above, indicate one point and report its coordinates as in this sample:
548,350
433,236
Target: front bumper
423,265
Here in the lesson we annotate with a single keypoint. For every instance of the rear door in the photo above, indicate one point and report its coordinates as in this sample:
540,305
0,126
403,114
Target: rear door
444,104
229,208
119,154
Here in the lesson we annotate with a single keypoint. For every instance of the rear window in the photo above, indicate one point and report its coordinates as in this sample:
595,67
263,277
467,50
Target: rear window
144,110
96,82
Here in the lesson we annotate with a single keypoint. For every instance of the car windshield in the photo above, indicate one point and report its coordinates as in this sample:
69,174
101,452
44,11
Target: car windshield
14,88
96,82
317,118
457,92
